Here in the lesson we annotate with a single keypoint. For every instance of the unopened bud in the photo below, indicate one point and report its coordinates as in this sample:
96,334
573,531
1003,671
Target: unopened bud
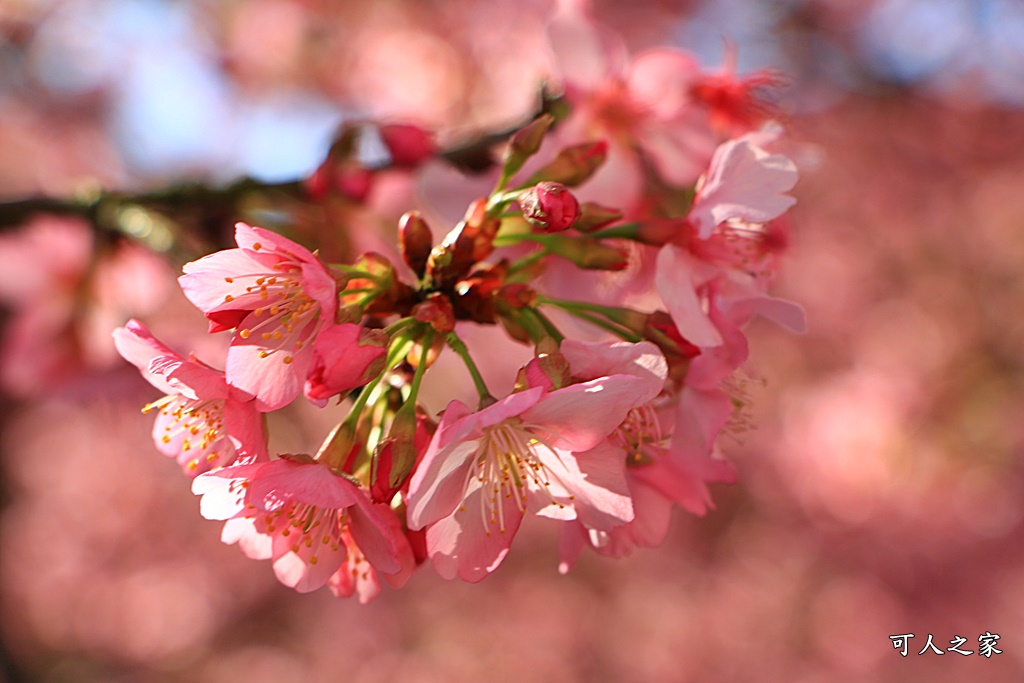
437,312
517,295
415,241
394,457
588,253
573,165
548,370
593,217
408,145
549,206
525,142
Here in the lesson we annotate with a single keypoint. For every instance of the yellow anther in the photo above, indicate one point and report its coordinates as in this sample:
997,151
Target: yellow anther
287,360
229,279
244,334
228,298
256,246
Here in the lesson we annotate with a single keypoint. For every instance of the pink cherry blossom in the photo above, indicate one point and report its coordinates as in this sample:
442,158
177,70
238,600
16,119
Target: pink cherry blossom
299,513
640,106
483,471
729,244
745,183
202,421
277,296
669,447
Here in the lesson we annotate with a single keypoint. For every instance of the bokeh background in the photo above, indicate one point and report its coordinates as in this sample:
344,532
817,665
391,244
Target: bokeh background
881,492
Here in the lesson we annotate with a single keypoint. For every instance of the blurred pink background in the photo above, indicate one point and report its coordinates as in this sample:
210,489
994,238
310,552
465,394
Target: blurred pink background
881,493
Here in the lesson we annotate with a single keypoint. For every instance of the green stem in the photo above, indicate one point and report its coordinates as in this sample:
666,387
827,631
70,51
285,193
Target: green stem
526,261
619,332
459,347
398,350
616,314
414,390
626,230
549,326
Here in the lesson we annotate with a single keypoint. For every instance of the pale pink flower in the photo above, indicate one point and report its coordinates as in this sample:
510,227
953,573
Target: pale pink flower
202,421
483,471
669,444
729,247
744,183
277,296
299,513
344,357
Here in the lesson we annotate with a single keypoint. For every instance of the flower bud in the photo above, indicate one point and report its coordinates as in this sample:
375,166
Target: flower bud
593,217
574,164
408,145
525,142
588,253
344,357
394,457
415,241
550,207
437,311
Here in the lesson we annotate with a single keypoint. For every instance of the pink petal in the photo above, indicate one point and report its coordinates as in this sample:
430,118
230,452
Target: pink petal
205,281
273,382
259,240
744,182
463,545
309,483
590,360
661,79
438,484
580,416
189,377
344,357
716,363
570,545
252,543
674,280
597,480
585,53
296,570
139,347
375,535
780,311
222,494
244,424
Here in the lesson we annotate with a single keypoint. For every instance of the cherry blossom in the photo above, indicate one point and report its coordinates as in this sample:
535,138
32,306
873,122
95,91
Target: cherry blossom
202,421
277,296
298,513
483,471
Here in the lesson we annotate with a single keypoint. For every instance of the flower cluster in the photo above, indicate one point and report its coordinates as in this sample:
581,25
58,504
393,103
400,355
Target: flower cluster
603,436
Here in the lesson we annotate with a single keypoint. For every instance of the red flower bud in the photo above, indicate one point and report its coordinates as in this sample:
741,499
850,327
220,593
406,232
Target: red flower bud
550,207
408,145
415,241
574,164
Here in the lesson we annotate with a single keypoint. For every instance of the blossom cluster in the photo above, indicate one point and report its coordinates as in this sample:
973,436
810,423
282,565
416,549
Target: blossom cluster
603,436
